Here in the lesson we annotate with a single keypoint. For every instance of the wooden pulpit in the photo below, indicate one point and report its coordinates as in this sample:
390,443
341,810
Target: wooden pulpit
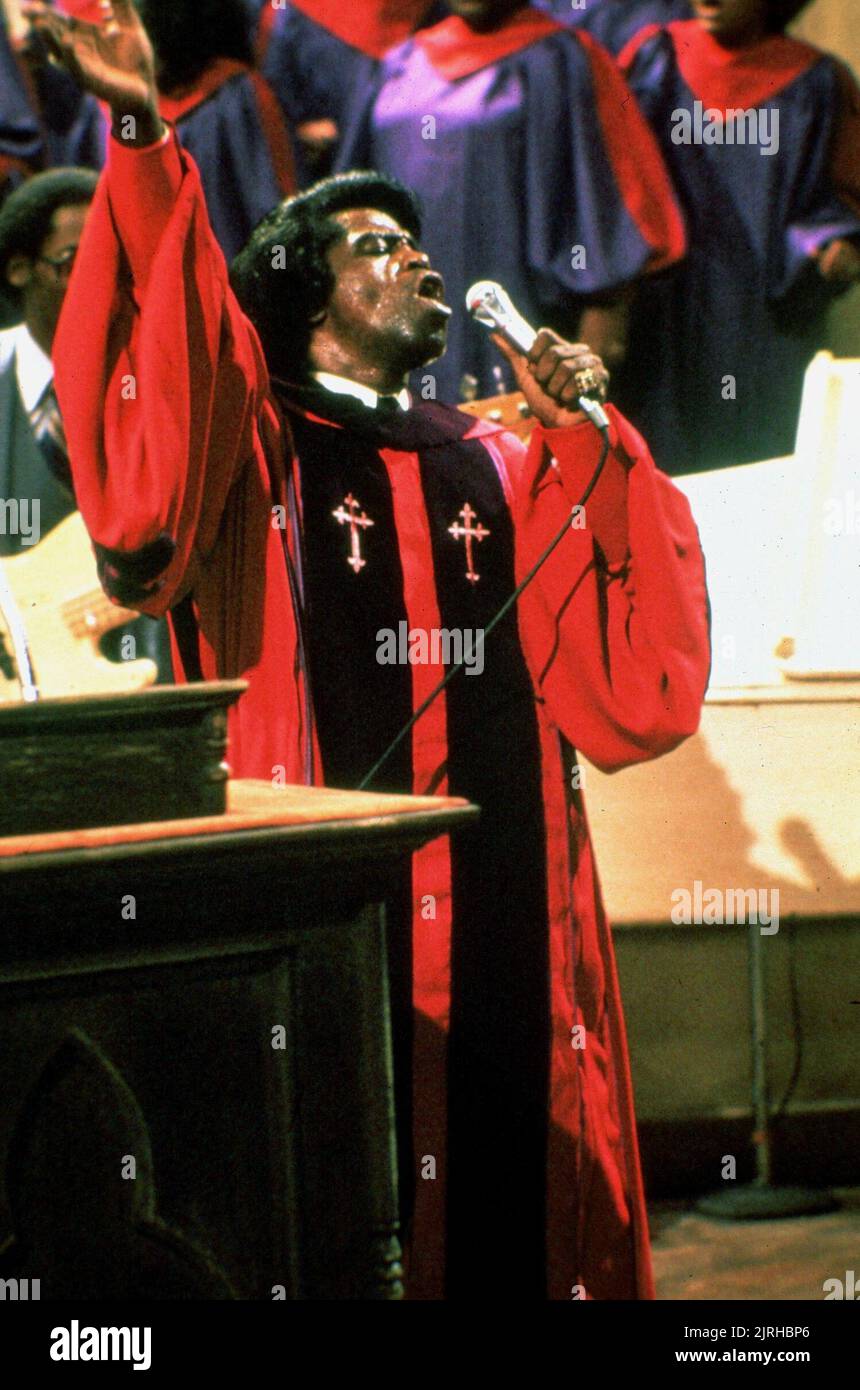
195,1065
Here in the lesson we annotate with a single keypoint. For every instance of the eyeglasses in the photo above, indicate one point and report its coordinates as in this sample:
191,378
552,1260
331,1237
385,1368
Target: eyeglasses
63,263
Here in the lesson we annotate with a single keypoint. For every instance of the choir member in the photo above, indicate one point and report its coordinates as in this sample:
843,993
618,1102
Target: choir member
275,478
534,167
317,53
719,347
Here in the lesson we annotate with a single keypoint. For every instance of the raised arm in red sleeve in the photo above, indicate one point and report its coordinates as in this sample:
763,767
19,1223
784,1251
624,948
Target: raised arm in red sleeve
160,378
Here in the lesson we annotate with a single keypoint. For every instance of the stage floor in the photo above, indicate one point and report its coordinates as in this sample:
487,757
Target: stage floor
696,1257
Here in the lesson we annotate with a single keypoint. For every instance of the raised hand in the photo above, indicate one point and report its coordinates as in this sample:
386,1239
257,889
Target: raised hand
112,59
554,374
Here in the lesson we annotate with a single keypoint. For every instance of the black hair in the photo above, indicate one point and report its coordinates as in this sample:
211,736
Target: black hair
188,35
27,214
780,13
282,277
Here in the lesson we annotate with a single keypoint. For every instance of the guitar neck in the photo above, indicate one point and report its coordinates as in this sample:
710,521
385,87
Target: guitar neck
92,614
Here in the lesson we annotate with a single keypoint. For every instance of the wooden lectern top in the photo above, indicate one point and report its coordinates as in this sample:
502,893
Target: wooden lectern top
257,806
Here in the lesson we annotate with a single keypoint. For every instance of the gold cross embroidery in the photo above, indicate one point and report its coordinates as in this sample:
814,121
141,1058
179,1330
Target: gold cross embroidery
347,512
466,533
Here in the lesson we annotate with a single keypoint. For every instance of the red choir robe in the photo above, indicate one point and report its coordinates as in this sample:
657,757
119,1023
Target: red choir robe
177,487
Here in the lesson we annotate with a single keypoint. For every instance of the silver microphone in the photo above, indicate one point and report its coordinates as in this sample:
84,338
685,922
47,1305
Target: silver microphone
491,306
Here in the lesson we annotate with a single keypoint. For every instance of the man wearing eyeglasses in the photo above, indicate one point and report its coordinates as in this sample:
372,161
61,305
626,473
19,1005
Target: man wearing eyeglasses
41,224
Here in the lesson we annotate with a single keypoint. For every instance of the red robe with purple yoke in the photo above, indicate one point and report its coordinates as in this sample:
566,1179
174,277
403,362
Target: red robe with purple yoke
177,481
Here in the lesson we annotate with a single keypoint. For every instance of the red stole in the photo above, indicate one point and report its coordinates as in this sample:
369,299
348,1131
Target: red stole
456,51
730,78
178,104
373,26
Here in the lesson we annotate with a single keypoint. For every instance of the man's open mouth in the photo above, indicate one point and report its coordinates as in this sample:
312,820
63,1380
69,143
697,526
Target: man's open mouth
432,286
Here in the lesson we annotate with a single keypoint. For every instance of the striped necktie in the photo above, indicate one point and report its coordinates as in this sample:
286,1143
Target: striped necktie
47,425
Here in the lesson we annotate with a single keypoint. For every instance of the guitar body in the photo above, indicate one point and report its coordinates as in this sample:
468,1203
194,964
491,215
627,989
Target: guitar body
63,612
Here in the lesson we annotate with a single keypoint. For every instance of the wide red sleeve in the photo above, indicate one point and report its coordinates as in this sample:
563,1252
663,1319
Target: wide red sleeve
616,625
161,379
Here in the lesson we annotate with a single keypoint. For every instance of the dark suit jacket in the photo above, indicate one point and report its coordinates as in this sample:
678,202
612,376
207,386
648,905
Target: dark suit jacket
24,474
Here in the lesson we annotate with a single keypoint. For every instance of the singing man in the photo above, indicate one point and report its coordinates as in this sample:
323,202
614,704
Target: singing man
272,485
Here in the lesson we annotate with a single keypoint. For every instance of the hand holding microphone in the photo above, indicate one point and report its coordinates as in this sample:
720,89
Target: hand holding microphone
557,378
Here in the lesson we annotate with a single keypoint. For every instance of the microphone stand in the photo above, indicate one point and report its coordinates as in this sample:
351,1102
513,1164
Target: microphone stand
762,1199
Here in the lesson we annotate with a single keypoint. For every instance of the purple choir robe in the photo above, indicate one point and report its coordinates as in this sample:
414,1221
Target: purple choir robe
314,70
534,168
719,345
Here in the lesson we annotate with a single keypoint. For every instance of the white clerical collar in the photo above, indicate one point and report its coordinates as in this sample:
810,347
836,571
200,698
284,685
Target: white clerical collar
342,386
33,368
